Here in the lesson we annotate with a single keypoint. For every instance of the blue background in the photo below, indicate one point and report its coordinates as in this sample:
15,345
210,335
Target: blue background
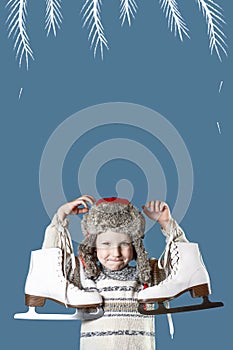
145,65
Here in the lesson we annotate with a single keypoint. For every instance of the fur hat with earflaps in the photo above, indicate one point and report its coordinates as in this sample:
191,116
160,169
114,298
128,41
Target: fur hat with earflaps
118,215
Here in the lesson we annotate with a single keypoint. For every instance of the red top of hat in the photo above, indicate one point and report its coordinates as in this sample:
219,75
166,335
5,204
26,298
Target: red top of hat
113,199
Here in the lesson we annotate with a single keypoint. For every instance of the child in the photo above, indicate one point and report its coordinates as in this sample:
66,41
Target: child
114,230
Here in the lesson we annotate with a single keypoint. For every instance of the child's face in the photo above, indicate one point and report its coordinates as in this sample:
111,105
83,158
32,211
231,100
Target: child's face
114,250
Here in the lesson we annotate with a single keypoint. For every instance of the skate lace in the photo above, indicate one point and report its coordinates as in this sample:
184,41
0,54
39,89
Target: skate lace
169,258
66,245
168,262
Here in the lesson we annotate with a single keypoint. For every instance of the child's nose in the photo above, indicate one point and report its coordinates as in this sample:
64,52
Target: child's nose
116,251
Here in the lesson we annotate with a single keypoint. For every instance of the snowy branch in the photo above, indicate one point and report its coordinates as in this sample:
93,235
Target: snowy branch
128,9
53,16
214,19
91,18
174,18
17,29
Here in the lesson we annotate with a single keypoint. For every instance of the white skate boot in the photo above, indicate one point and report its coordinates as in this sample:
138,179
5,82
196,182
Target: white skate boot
46,280
186,272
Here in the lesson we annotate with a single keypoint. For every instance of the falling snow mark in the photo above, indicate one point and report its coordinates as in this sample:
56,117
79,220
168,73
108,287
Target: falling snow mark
219,130
220,86
20,92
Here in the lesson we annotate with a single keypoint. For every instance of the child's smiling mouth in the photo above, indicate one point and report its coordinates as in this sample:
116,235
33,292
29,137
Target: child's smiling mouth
115,260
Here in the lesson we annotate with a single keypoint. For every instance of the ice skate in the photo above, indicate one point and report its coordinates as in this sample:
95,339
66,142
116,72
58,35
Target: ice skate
185,272
46,280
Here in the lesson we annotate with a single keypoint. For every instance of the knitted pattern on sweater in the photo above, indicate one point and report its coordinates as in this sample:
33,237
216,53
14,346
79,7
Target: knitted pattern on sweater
122,326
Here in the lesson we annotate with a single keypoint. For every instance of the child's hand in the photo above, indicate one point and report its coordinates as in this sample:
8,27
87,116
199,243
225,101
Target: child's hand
73,206
157,211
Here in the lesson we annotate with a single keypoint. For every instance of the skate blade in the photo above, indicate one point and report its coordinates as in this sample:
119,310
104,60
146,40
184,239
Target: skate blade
79,314
162,309
31,314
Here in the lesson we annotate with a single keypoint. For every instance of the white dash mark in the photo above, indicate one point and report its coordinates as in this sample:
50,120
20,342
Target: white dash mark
220,86
20,92
219,130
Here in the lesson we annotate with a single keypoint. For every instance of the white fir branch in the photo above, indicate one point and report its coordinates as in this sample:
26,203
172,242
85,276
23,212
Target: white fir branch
128,9
214,19
92,19
17,29
175,20
53,16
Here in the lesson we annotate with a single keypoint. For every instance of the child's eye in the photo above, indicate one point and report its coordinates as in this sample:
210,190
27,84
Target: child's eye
125,244
105,243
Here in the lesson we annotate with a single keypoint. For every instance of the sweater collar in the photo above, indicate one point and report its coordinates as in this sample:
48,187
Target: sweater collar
125,274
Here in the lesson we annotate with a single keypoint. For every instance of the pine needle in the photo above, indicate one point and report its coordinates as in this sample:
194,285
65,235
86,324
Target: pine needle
214,19
92,19
53,16
128,9
175,20
17,29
